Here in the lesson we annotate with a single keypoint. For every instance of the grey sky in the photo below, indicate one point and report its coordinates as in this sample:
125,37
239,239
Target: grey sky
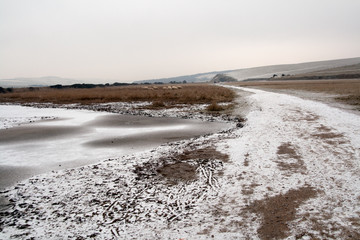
129,40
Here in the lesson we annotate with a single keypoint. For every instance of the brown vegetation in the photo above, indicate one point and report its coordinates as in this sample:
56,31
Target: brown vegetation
214,107
182,94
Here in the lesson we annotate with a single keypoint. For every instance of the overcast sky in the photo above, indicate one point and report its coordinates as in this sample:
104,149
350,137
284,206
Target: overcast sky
127,40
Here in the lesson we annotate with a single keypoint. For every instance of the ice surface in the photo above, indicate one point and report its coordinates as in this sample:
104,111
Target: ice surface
46,139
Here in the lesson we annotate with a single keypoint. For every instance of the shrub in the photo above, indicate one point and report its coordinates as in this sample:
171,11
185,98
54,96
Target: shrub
157,104
214,107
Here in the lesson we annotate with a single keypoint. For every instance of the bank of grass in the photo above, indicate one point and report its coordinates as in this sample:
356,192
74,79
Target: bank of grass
348,90
159,95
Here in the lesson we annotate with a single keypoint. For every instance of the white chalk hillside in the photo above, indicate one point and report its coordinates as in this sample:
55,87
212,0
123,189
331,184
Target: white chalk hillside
263,71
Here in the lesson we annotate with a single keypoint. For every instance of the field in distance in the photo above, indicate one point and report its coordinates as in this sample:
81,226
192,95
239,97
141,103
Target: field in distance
346,90
169,94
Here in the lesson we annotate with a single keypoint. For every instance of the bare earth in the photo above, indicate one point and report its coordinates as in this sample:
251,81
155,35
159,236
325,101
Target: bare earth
291,173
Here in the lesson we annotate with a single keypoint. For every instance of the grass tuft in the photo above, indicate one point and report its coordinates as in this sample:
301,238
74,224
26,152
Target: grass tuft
214,107
158,104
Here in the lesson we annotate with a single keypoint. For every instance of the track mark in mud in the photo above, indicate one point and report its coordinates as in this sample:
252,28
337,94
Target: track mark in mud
289,160
277,211
327,135
323,128
304,116
246,160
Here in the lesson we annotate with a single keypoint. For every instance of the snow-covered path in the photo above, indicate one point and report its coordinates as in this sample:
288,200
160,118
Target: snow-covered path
293,172
290,143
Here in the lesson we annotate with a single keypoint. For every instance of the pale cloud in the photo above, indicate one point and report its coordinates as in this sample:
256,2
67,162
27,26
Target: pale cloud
139,39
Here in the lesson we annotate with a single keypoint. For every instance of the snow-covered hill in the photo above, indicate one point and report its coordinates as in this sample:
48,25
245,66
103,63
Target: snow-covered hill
239,74
263,71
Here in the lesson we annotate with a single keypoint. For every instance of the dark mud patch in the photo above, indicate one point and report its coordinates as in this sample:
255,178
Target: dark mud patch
180,171
351,100
277,211
287,149
289,160
182,166
209,153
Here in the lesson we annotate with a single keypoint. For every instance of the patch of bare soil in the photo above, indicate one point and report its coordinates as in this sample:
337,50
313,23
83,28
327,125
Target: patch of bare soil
184,167
289,160
323,128
287,149
351,99
204,153
179,171
277,211
329,136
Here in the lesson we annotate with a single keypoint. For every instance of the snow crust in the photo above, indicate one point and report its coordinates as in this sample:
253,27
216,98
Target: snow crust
109,201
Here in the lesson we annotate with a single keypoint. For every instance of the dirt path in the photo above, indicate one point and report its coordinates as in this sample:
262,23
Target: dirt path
291,172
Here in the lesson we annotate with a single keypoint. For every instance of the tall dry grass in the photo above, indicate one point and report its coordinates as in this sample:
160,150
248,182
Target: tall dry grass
184,94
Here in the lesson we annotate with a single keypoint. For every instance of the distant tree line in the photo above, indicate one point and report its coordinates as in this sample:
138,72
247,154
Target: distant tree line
171,82
6,90
89,85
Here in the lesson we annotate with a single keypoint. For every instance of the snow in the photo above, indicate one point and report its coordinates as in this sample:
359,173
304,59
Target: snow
108,200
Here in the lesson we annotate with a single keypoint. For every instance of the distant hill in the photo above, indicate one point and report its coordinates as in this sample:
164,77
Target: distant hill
35,82
220,78
261,72
200,77
290,69
343,72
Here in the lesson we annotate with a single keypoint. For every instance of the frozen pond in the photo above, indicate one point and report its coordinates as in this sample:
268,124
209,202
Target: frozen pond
38,140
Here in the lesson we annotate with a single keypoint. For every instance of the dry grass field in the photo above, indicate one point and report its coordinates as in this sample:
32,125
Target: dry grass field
348,90
158,94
